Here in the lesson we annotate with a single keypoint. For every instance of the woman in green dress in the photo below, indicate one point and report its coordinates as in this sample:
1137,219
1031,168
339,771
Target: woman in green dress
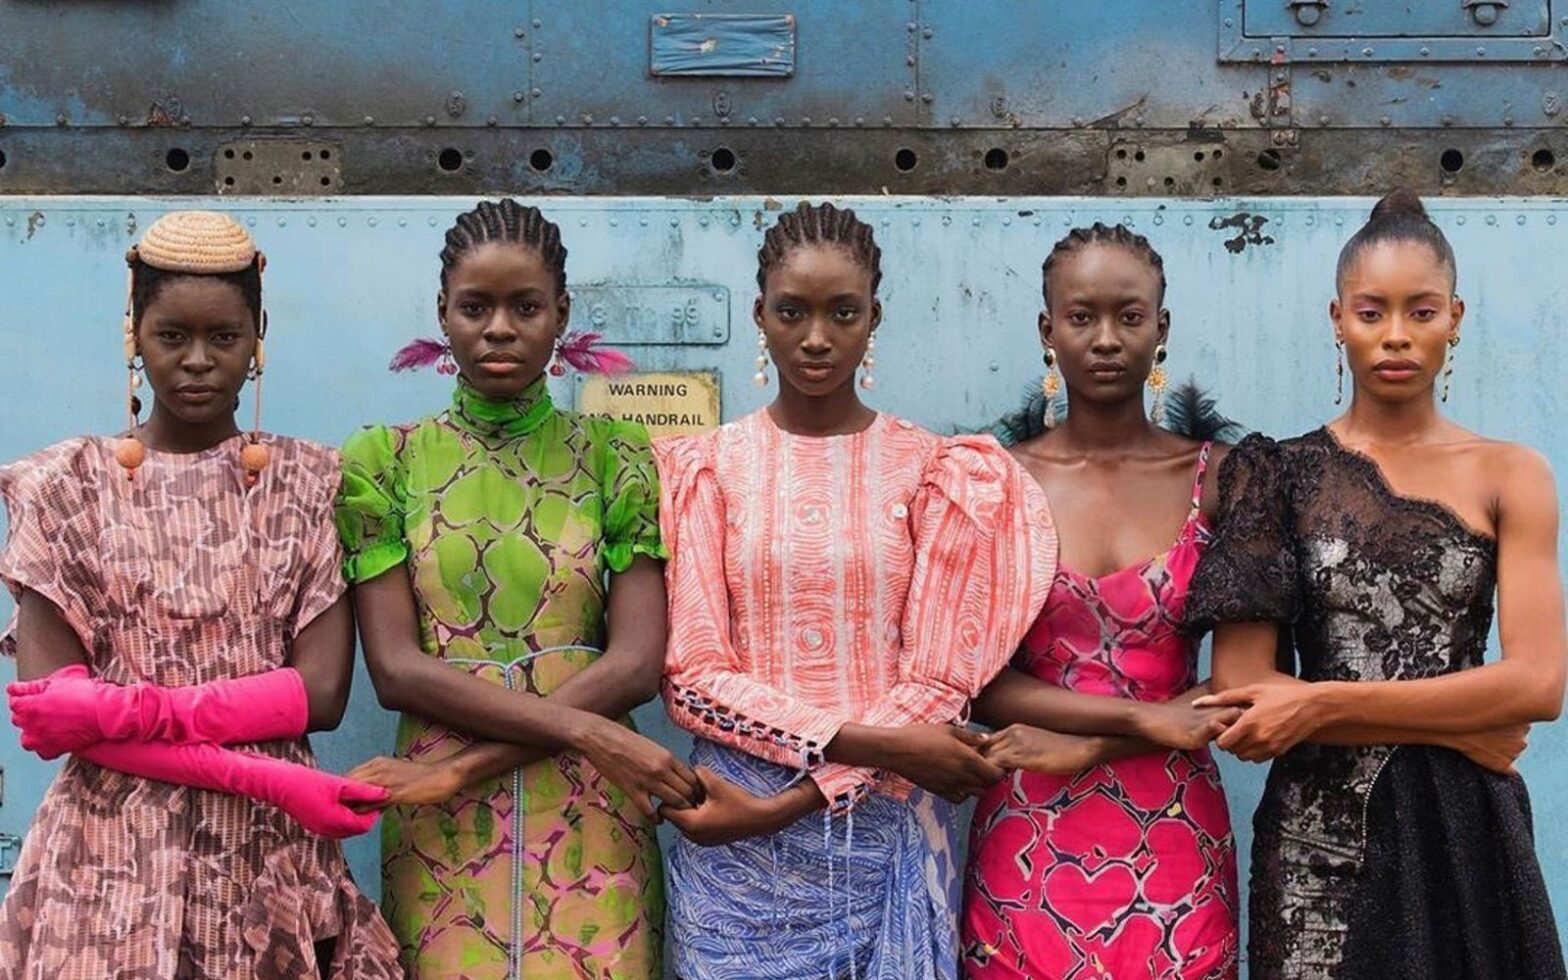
494,549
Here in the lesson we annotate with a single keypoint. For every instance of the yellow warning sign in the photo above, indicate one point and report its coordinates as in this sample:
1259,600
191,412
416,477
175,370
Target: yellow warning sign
669,403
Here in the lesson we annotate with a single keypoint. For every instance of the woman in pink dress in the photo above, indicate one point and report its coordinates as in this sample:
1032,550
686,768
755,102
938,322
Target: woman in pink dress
1107,853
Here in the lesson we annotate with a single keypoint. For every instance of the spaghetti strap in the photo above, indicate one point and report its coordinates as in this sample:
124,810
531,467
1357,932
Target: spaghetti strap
1197,481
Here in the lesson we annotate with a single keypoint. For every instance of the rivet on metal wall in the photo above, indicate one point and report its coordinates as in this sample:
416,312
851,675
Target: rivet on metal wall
430,120
102,223
1006,221
519,32
675,222
1159,219
914,223
283,222
644,222
1425,51
582,222
433,221
402,222
1339,220
947,219
615,222
779,121
370,120
1519,220
1459,220
311,222
538,23
1551,219
1187,220
372,222
308,120
1491,219
244,120
669,120
70,222
1037,221
518,96
703,221
342,222
124,120
560,120
251,222
1311,221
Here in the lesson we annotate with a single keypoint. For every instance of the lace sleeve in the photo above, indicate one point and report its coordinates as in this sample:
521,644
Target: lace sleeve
1248,573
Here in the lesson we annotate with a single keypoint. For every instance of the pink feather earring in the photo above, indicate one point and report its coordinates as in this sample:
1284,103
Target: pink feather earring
583,352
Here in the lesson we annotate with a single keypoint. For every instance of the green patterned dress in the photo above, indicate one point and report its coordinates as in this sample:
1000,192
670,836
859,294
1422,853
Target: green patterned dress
509,516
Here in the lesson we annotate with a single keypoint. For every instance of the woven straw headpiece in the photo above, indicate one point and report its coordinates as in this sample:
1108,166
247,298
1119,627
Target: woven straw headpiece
198,242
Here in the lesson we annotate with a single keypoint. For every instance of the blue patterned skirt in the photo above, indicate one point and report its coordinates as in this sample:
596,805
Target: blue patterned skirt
871,894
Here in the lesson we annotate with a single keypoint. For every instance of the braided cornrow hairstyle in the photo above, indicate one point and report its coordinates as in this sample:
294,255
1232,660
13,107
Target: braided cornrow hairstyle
819,224
147,281
1100,233
505,221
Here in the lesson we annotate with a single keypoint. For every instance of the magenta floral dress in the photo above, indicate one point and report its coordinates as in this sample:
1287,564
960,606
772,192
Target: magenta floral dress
1127,869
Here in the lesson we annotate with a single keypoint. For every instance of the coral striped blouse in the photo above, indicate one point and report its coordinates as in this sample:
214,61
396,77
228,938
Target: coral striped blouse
882,577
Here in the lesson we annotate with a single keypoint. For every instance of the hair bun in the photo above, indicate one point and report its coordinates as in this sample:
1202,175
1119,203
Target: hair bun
1401,201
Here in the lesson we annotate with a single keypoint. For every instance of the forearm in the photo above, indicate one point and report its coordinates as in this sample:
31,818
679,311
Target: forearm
607,687
422,685
1015,698
1467,701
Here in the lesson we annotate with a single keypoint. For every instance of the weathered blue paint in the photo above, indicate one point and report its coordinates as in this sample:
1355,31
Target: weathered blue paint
349,281
1363,31
722,45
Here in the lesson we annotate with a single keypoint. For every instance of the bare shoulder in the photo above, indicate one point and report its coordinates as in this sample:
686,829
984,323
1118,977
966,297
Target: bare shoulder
1211,477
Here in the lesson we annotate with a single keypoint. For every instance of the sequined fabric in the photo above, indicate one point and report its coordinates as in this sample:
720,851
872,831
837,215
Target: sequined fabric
1372,586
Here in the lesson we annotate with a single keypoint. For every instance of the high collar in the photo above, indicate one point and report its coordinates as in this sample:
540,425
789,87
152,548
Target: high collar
491,417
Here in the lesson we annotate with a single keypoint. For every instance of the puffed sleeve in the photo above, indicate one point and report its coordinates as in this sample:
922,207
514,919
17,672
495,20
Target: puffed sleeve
321,580
51,547
630,485
985,556
370,505
706,691
1248,572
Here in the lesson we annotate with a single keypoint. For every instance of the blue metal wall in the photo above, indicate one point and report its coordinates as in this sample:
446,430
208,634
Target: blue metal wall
348,281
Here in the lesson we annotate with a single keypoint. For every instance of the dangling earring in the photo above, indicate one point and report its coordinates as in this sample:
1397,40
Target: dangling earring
868,363
1157,381
1448,364
557,369
446,365
760,379
254,457
1050,387
129,451
1339,371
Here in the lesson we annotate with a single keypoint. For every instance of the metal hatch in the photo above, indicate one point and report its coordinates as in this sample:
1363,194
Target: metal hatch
1389,30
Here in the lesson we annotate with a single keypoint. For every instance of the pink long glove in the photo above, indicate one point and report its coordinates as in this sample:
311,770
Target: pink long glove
320,801
70,710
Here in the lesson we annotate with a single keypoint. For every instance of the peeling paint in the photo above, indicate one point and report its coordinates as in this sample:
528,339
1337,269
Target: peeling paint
1248,227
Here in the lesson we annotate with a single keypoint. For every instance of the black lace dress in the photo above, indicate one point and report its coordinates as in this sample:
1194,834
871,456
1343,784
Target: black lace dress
1376,862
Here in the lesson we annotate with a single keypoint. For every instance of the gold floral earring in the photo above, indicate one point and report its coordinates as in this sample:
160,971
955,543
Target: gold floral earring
1050,387
1157,381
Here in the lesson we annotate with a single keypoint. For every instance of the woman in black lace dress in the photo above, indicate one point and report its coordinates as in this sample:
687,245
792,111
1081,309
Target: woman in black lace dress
1394,838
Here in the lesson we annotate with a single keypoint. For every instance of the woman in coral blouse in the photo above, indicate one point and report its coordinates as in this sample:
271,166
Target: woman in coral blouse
841,583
